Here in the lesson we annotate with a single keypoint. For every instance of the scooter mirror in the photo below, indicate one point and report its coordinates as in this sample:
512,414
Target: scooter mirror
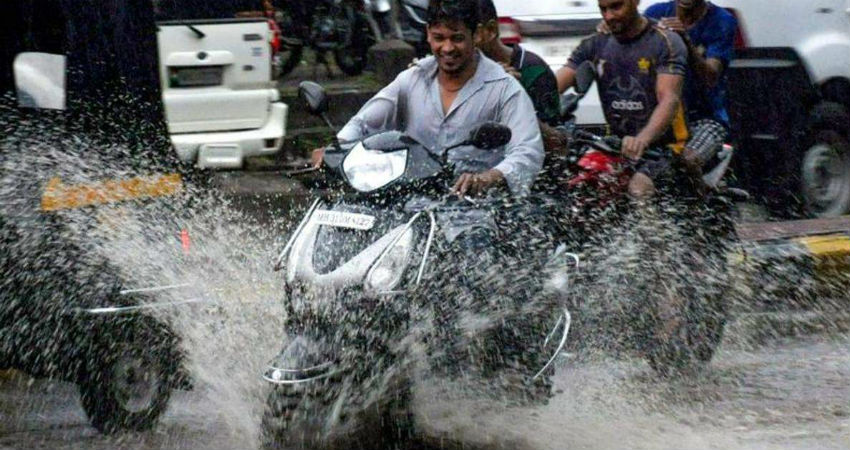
585,75
313,96
489,135
40,80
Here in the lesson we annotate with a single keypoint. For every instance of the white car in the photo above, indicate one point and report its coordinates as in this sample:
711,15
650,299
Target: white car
221,101
553,29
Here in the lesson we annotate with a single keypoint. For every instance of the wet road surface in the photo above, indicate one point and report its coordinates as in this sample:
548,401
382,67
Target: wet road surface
784,394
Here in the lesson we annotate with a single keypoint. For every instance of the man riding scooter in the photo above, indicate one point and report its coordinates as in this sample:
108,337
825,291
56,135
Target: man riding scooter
439,97
436,102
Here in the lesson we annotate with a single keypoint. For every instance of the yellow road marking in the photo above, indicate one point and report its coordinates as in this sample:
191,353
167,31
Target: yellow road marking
58,196
829,246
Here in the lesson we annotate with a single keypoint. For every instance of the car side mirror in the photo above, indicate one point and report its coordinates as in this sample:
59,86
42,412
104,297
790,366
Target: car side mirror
489,136
40,80
585,75
314,97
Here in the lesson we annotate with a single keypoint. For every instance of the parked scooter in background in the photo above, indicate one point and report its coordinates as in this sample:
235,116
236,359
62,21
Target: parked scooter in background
412,21
337,26
380,13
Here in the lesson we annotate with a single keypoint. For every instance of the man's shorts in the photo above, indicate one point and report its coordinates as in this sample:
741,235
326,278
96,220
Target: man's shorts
707,138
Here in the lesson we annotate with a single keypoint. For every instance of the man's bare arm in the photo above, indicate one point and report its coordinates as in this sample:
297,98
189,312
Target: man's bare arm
566,78
668,89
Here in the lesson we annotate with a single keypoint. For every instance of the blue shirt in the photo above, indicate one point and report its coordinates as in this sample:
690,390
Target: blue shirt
490,95
714,37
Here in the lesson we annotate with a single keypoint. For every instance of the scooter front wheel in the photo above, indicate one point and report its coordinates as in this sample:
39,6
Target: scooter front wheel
312,417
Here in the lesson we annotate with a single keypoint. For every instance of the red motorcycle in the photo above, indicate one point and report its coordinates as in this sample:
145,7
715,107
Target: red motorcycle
592,180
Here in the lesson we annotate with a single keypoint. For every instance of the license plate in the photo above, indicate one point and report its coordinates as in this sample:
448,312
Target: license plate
195,76
344,219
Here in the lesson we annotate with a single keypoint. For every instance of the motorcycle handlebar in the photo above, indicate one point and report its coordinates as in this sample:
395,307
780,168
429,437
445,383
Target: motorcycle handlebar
612,144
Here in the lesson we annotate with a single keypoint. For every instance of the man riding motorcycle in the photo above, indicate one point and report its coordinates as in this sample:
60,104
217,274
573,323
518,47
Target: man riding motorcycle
640,71
440,97
640,68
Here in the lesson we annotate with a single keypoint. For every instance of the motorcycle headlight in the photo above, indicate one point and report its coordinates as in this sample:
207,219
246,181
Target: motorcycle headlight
368,170
387,271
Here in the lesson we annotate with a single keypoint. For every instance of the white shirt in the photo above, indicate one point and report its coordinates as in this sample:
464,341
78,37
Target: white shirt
490,95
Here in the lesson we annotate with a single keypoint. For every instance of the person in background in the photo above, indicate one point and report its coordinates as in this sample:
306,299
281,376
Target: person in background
709,33
529,68
533,73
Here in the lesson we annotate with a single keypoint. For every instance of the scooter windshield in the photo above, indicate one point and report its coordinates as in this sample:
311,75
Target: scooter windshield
368,170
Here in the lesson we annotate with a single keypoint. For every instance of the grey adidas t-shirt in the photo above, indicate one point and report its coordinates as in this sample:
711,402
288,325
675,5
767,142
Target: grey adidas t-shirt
626,73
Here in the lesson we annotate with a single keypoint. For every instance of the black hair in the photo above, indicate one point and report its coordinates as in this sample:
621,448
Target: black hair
487,10
465,11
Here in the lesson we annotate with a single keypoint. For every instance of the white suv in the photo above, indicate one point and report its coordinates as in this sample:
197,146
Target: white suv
553,29
221,102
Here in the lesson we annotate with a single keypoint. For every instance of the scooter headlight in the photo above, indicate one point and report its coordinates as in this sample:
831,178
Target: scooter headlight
388,270
368,170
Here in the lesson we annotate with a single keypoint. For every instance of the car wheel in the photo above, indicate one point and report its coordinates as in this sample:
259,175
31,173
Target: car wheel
826,174
127,389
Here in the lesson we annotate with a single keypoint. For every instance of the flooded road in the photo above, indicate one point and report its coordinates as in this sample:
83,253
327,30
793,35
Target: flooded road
790,393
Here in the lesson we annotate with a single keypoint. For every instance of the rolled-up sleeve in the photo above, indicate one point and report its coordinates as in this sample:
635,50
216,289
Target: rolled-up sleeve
524,153
380,113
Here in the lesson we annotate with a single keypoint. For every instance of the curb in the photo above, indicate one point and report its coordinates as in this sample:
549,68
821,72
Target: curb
821,258
749,330
810,272
821,252
815,248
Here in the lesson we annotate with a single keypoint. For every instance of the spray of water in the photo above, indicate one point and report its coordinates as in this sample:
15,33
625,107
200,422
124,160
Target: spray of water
228,336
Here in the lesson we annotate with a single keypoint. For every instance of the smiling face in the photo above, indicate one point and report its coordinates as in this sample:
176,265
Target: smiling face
453,45
619,15
689,4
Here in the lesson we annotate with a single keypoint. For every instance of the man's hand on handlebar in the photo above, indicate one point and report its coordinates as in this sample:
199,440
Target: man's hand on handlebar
477,183
634,147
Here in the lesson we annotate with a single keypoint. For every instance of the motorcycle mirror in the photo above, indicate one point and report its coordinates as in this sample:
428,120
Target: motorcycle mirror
489,135
585,75
569,104
314,97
